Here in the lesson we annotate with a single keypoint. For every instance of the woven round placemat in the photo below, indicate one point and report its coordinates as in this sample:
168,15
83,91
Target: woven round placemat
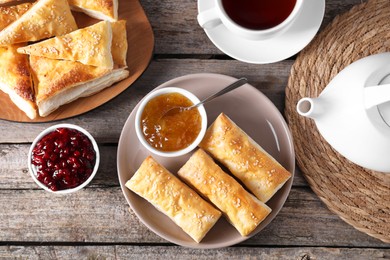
359,196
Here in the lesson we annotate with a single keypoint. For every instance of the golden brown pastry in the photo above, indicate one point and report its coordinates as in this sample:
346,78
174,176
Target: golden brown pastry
58,82
245,159
241,208
15,79
9,14
173,198
90,46
44,19
119,43
8,1
99,9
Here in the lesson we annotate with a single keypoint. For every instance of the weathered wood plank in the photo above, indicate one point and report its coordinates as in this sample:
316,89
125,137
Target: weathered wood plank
176,29
172,252
14,171
106,122
101,215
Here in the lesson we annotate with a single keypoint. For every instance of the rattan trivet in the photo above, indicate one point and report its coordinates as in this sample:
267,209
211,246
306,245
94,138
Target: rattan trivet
359,196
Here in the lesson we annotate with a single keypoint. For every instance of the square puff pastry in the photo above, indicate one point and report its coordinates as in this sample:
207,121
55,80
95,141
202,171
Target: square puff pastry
173,198
90,45
58,82
119,43
99,9
241,208
15,79
10,14
8,1
245,159
44,19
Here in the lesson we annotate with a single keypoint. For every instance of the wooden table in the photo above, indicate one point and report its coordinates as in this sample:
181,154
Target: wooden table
97,223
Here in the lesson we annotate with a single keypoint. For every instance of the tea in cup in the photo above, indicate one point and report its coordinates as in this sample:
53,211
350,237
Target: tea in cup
252,19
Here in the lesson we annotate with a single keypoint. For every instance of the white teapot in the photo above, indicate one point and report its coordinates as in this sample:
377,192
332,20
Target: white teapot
353,112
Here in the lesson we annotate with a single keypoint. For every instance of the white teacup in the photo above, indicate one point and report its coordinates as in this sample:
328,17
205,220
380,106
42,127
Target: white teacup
213,17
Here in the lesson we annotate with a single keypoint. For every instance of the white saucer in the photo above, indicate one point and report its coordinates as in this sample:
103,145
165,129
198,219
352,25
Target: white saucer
281,47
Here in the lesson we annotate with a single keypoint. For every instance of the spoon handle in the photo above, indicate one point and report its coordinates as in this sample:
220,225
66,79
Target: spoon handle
234,85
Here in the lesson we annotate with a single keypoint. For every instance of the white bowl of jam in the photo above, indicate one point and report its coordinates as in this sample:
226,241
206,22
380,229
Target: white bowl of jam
63,158
170,135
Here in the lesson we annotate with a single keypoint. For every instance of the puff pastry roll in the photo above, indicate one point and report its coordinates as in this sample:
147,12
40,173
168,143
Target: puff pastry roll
245,159
175,199
241,208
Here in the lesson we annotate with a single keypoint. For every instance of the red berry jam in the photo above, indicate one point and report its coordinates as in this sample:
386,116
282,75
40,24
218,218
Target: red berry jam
64,159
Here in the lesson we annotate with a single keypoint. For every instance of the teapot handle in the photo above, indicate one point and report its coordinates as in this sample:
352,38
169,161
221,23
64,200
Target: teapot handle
376,95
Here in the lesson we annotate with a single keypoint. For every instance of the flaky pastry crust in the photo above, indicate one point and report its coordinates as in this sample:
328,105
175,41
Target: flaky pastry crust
245,159
175,199
242,209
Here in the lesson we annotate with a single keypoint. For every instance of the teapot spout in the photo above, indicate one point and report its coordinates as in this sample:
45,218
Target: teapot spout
310,107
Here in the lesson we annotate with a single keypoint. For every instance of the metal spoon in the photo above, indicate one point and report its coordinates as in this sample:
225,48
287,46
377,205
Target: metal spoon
234,85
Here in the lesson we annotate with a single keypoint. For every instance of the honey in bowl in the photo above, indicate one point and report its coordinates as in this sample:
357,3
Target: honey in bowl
172,132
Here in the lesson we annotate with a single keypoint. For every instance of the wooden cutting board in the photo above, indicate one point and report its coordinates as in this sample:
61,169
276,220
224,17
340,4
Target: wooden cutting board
141,43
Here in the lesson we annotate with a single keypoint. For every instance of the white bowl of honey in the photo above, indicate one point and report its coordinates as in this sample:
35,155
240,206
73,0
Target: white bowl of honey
172,134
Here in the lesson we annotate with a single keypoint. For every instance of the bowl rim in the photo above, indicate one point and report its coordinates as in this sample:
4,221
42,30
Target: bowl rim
52,129
194,99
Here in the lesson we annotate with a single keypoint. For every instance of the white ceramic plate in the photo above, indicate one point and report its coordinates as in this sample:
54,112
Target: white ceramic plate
278,48
246,106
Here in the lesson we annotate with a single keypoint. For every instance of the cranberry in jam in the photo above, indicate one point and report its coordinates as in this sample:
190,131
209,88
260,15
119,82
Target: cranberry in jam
63,159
